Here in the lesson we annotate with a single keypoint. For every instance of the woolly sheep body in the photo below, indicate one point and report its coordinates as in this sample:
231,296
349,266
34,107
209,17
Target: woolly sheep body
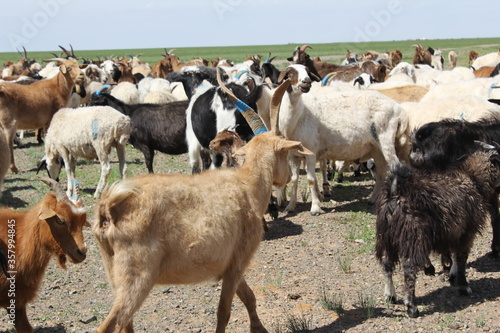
127,93
89,133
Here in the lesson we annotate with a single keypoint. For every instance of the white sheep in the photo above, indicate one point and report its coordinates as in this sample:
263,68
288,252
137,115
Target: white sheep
126,92
155,91
90,133
467,107
482,87
490,59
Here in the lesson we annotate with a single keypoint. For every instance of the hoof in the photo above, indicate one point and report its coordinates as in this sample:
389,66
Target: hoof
390,299
413,312
431,271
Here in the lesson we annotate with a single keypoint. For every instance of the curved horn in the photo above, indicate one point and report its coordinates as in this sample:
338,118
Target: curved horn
253,119
327,79
60,195
65,51
54,59
304,47
275,105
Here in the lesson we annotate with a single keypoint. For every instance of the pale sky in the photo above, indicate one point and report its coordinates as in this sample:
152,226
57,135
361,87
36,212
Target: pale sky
42,25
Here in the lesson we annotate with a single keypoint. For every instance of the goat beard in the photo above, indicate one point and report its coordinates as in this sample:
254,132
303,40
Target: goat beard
61,258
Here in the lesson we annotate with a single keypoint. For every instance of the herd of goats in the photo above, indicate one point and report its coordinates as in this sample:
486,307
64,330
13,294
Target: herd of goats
429,134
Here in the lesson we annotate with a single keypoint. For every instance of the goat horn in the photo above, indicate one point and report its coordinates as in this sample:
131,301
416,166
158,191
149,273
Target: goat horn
65,51
253,119
60,195
20,53
304,47
327,79
276,103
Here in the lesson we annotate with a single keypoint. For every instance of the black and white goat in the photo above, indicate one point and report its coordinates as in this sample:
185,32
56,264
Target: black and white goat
160,127
438,145
420,212
210,111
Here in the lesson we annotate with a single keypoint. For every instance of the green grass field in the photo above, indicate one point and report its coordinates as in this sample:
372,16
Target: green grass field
239,53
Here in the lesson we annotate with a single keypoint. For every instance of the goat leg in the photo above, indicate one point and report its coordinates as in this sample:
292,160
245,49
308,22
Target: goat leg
495,224
389,291
410,275
22,323
461,280
247,296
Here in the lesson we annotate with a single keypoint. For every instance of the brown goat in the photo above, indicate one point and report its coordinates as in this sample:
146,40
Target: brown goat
422,56
227,142
29,239
197,236
472,56
32,107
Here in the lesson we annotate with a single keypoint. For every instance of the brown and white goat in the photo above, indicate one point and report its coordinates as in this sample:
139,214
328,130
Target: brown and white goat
196,236
227,142
420,212
32,107
29,239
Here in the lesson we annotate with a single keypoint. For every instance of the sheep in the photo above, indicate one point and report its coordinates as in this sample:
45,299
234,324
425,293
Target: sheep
452,59
90,133
32,107
186,248
126,92
481,87
420,212
366,125
160,127
467,107
408,93
51,227
4,161
437,145
490,59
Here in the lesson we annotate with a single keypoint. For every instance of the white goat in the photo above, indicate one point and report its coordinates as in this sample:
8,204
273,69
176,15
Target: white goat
482,87
348,126
490,59
150,231
86,132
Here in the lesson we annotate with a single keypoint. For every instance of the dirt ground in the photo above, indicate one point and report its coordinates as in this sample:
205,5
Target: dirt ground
301,258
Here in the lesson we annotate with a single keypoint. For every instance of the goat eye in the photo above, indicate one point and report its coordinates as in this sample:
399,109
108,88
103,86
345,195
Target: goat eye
60,221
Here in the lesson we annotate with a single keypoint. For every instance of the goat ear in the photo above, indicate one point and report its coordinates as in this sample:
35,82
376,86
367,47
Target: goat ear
289,145
46,213
63,69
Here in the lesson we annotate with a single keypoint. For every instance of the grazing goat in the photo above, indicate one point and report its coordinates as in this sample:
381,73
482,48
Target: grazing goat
52,227
189,247
420,212
452,59
90,133
437,145
160,127
32,106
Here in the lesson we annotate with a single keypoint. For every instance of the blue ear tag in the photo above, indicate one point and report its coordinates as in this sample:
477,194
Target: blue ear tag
104,87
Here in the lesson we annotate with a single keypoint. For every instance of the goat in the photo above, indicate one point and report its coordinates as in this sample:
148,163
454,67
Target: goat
437,145
420,212
491,59
160,127
227,142
366,125
452,59
90,133
4,162
52,227
32,106
210,111
187,249
472,56
422,56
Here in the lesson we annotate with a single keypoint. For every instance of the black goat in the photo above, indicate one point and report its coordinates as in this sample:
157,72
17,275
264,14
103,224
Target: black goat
421,211
269,70
160,127
438,145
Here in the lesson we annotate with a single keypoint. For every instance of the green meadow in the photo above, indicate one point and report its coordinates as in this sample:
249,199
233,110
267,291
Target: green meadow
334,51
